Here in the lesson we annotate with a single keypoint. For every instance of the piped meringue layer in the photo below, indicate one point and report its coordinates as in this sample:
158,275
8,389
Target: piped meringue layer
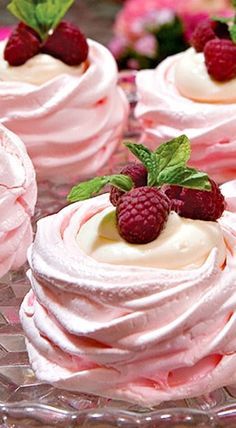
210,125
72,123
135,333
17,201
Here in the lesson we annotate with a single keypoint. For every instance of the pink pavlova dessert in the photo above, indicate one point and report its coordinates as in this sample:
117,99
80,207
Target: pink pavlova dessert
133,292
17,201
195,92
59,93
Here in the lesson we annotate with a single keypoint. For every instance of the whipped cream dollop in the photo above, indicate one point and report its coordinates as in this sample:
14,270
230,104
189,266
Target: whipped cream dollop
17,201
165,113
193,81
71,123
183,243
131,332
37,70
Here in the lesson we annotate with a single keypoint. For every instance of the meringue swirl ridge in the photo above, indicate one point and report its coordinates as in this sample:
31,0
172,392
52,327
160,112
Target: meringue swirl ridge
134,333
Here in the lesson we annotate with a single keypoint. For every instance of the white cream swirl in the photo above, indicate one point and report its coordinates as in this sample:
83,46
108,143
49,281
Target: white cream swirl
183,243
193,81
164,114
17,201
70,124
37,70
135,333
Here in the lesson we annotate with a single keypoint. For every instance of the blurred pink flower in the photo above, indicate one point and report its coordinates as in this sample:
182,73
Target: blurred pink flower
4,32
132,19
146,45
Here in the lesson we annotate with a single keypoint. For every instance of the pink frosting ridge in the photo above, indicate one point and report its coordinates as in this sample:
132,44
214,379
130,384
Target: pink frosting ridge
17,201
70,124
164,114
127,332
229,191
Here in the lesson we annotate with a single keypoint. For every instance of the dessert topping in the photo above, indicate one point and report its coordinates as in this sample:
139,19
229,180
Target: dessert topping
67,43
207,30
196,204
42,20
202,34
220,59
217,39
137,172
144,193
22,45
142,214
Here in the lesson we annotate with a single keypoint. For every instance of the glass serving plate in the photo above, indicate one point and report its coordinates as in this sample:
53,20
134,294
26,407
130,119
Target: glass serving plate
25,402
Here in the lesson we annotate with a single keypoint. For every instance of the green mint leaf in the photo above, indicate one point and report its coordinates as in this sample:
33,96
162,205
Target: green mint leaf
232,31
141,152
92,187
50,13
186,177
174,153
222,19
41,15
24,10
234,3
148,160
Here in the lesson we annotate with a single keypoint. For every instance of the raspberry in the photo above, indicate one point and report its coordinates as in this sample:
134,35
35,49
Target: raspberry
137,172
22,45
202,34
220,59
196,204
141,214
68,44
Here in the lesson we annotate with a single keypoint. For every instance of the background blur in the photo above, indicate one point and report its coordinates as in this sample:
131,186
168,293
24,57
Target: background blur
95,17
145,31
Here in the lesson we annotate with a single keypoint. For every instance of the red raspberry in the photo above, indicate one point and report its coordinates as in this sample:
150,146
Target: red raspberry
141,214
202,34
68,44
196,204
137,172
23,44
220,59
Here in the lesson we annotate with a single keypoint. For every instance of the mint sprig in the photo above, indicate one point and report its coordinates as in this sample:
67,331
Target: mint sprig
168,164
232,31
90,188
41,15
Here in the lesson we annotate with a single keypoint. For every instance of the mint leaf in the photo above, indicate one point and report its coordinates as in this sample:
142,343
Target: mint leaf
232,31
174,153
186,177
141,152
41,15
90,188
148,160
24,10
222,19
51,12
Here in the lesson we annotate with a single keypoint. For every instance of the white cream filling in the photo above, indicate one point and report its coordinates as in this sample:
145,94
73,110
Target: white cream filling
193,81
183,243
37,70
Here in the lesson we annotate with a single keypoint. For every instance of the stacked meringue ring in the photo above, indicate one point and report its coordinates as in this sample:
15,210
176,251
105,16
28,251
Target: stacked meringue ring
17,201
132,331
71,119
179,96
